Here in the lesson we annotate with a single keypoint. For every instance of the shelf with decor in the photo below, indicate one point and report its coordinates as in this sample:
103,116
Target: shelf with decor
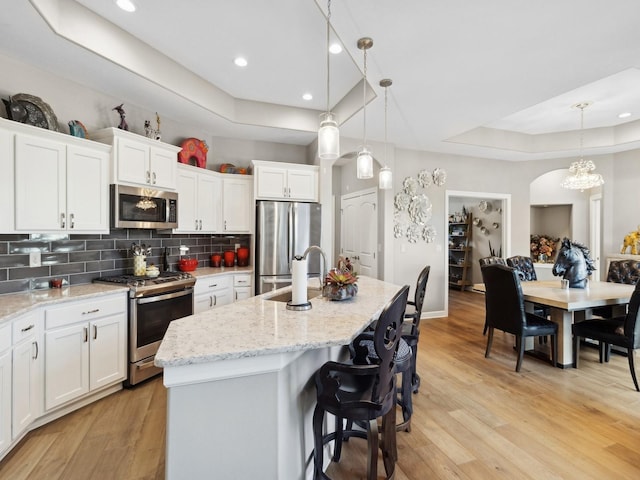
459,231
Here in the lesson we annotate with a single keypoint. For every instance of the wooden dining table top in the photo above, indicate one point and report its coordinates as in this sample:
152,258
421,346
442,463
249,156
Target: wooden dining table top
550,292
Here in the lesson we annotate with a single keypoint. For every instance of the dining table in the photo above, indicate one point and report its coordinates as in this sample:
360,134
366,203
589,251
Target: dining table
571,305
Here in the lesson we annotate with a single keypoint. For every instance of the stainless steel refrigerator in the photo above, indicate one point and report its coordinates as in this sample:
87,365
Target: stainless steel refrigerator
284,229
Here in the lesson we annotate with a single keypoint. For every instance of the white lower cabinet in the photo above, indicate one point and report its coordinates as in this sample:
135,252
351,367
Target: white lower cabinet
27,372
85,344
212,291
5,387
241,286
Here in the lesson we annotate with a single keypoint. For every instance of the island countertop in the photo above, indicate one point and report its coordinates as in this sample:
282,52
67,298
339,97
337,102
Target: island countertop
259,326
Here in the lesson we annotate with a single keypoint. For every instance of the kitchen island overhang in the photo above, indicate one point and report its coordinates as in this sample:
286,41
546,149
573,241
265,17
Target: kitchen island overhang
240,382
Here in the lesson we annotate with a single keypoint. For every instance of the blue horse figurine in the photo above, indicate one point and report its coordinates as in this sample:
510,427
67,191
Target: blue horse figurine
574,263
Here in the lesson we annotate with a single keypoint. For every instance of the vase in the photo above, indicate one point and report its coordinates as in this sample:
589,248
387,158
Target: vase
542,258
340,292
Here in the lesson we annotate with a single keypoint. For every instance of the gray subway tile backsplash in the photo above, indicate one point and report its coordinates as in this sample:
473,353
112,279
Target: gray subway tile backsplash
79,259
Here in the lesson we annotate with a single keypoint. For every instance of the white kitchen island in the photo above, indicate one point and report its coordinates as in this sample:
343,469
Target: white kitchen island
240,382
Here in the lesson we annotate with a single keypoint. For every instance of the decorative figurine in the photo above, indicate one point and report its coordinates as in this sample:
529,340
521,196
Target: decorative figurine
574,263
123,123
631,240
148,131
158,133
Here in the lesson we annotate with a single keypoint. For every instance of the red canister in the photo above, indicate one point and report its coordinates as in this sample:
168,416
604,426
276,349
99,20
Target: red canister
243,256
229,258
216,260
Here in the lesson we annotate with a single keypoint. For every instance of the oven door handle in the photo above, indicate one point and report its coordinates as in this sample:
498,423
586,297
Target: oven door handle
166,296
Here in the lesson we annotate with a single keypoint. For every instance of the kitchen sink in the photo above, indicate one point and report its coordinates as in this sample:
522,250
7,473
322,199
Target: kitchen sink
286,296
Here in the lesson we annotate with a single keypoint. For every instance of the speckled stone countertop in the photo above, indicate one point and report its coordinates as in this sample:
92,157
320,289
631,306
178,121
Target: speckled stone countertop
15,304
259,326
206,271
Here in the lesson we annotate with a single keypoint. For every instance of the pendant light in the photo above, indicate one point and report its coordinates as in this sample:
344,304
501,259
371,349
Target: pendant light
385,177
328,133
581,176
364,163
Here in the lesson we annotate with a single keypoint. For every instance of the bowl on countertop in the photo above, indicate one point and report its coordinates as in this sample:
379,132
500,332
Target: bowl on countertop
187,264
152,271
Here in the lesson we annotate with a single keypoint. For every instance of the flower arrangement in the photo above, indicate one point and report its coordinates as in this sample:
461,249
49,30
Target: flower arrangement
543,247
340,283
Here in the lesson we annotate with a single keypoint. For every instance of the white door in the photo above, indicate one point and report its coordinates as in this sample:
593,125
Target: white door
595,226
87,189
25,387
5,400
359,231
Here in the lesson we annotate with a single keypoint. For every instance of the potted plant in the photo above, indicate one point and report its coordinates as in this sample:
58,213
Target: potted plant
340,284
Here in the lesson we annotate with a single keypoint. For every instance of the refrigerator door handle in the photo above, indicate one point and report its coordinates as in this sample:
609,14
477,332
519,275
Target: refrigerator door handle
291,235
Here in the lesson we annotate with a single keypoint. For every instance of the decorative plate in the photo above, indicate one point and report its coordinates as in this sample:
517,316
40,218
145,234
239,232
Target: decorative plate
425,178
420,209
477,222
410,186
439,177
29,109
484,206
402,200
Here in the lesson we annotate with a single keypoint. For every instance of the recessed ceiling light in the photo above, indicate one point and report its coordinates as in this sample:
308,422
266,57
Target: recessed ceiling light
241,61
624,115
335,48
126,5
307,96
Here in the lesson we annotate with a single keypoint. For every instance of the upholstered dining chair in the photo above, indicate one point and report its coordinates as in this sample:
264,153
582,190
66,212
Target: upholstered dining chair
527,273
490,261
362,391
505,311
621,331
524,266
411,325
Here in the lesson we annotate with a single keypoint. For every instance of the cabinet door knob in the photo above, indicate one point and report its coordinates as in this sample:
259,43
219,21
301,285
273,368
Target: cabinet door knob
148,176
86,334
35,344
72,220
154,178
63,222
95,332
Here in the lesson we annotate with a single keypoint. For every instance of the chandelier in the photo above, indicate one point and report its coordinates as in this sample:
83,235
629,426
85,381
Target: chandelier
385,177
581,176
364,162
328,134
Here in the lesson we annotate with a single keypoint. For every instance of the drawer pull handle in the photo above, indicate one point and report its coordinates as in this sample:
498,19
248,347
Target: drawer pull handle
26,329
214,285
91,311
241,281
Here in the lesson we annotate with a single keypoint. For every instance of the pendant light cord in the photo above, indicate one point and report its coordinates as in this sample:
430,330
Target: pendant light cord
328,46
364,101
386,90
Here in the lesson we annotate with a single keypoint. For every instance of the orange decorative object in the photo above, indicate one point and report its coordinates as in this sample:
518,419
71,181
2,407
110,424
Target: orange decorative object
194,152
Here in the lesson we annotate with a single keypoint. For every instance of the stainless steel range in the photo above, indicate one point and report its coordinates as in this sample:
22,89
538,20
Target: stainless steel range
153,304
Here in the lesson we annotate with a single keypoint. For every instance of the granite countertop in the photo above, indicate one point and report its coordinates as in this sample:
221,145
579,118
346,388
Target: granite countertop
15,304
259,326
206,271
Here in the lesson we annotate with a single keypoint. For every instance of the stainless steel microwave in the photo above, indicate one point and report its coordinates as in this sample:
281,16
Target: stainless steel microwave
133,207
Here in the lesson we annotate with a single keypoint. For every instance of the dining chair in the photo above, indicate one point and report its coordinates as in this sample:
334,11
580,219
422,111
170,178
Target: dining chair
527,273
411,325
361,392
620,331
505,311
490,261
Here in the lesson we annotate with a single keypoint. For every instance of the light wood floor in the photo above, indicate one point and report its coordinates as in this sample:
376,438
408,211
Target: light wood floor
474,418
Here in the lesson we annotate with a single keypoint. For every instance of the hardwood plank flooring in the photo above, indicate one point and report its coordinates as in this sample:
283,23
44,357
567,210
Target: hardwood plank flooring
474,418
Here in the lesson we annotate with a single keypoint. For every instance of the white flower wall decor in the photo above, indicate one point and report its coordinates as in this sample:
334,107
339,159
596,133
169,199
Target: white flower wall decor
413,209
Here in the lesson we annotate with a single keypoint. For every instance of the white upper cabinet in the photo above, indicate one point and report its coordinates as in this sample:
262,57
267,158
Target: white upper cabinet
200,204
237,203
139,160
61,184
285,181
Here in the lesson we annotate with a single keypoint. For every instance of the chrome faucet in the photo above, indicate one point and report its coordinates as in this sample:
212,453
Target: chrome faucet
323,272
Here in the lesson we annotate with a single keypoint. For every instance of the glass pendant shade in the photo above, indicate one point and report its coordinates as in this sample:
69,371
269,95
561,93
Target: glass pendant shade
364,164
385,178
328,137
